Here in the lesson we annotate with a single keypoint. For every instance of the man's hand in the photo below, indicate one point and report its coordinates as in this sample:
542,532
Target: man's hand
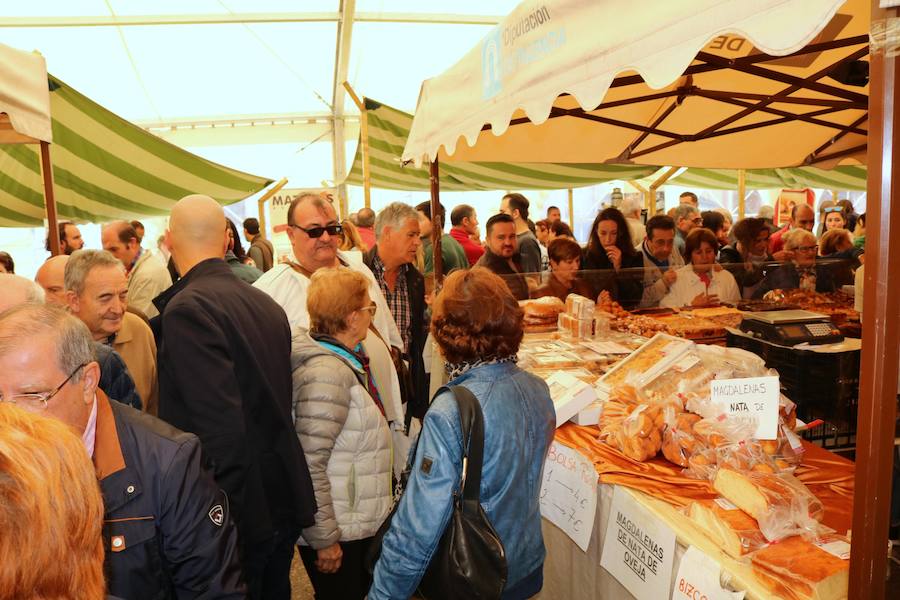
705,300
783,255
669,277
329,560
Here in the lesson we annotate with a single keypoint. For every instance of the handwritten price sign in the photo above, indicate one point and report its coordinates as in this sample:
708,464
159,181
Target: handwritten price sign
569,493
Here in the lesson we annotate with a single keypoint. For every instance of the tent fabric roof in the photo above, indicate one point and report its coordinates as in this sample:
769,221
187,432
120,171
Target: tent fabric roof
388,129
24,96
106,168
546,82
839,178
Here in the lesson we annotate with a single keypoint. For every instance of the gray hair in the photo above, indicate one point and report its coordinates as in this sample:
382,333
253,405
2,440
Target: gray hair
630,205
73,341
80,265
31,291
765,212
684,211
394,215
795,238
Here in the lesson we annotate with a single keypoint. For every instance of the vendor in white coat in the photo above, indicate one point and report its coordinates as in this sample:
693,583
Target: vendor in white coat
702,282
340,421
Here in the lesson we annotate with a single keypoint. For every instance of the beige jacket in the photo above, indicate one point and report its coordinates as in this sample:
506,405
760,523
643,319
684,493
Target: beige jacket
136,346
146,280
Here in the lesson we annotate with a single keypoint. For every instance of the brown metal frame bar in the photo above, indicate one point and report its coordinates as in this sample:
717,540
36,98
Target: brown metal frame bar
841,104
881,330
813,157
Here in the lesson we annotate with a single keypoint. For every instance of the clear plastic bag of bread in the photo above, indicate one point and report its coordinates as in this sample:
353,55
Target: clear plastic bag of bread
781,504
722,429
679,442
786,450
701,464
746,455
638,436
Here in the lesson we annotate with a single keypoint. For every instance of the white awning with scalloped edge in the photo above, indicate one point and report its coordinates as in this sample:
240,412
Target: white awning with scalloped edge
656,82
24,97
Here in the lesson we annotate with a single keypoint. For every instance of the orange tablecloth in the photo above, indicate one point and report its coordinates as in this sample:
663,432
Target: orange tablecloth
828,476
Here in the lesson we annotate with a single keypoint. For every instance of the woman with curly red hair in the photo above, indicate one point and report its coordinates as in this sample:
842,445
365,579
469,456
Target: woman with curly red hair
478,328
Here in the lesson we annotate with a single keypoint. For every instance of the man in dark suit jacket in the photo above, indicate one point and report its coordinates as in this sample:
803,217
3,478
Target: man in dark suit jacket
224,374
391,261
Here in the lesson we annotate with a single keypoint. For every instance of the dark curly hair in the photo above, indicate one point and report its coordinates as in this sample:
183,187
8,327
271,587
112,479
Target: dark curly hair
475,316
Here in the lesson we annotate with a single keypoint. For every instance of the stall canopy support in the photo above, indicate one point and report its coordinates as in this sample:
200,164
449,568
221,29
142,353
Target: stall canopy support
571,195
364,138
261,203
437,223
50,200
742,193
670,172
877,415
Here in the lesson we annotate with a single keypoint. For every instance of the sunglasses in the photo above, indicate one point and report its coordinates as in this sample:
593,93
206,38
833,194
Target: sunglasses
316,232
832,209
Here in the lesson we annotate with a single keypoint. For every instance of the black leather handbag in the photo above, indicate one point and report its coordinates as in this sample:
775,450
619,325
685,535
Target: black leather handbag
470,561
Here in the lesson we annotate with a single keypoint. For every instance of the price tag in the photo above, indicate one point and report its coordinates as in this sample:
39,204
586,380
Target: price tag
755,397
838,548
569,493
698,577
725,503
639,548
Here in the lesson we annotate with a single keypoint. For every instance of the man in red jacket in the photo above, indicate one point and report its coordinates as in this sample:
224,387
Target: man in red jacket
464,230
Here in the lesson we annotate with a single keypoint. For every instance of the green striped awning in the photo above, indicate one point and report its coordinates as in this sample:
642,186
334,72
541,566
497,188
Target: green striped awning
839,178
389,128
106,168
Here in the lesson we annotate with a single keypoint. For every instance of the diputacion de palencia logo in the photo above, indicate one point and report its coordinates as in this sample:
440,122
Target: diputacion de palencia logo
508,47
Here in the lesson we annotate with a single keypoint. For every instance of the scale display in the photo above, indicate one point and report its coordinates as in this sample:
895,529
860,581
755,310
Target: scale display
791,327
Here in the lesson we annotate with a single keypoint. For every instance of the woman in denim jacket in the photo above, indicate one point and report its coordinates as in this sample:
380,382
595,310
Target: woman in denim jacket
478,326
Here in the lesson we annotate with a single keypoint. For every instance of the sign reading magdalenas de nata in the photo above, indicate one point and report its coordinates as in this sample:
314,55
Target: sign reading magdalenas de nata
525,36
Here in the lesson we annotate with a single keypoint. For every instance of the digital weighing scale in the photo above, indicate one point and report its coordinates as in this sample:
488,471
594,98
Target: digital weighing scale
791,327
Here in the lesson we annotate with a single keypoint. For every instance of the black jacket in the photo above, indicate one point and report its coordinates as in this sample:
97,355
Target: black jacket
786,277
115,380
730,255
513,278
167,530
224,351
625,286
415,287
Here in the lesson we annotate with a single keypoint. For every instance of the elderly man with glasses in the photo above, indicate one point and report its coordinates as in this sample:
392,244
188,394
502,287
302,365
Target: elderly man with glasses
803,271
687,218
168,531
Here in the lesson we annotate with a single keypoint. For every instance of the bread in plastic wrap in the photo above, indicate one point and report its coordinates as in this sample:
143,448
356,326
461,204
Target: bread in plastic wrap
637,436
736,532
796,569
781,504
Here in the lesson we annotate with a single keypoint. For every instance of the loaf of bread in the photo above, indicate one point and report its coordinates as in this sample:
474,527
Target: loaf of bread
781,504
799,570
734,531
580,307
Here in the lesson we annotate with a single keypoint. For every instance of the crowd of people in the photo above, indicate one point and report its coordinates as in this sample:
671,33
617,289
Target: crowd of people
235,406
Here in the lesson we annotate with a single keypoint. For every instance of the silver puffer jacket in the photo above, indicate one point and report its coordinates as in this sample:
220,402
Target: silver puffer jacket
346,441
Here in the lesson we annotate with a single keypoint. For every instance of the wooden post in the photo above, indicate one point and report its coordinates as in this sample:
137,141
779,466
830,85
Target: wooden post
571,209
881,329
644,192
656,185
742,193
261,203
364,137
50,200
437,223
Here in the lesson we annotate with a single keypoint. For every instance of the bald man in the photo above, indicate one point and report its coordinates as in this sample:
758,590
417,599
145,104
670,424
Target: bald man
147,276
224,373
51,278
18,290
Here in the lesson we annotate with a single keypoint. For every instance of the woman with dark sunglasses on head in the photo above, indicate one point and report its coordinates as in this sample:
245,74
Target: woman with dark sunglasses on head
342,427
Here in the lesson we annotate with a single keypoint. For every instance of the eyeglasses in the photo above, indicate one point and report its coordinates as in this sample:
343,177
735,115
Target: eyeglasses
316,232
807,248
38,401
372,308
832,209
697,220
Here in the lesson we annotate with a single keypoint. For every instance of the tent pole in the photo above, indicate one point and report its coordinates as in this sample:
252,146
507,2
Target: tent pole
571,208
742,193
657,184
364,136
261,203
877,414
437,223
643,191
50,199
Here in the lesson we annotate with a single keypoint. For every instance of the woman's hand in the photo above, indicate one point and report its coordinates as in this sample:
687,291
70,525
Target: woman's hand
705,300
329,560
614,255
783,255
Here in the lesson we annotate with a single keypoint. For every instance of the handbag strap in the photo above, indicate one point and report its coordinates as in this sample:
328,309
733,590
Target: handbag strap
472,421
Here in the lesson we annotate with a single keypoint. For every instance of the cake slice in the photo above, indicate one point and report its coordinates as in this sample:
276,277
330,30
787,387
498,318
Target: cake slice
799,570
734,531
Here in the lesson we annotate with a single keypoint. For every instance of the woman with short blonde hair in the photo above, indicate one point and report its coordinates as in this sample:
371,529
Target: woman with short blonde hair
51,512
340,421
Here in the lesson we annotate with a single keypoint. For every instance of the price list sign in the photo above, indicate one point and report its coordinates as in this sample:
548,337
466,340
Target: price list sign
569,493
